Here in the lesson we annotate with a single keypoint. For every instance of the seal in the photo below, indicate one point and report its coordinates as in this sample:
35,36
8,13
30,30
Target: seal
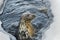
26,30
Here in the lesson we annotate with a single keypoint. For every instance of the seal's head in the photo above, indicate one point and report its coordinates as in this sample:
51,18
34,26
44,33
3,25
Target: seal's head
28,16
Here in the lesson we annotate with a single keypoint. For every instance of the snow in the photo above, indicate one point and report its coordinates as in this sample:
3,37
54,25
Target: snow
4,36
54,32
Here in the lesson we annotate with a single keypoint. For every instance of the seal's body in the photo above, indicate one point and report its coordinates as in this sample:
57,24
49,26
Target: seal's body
26,29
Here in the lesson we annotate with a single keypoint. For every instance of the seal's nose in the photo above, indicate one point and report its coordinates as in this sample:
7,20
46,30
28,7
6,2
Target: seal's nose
33,16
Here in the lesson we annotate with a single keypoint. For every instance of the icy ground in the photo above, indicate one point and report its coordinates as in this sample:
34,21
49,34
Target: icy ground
53,33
